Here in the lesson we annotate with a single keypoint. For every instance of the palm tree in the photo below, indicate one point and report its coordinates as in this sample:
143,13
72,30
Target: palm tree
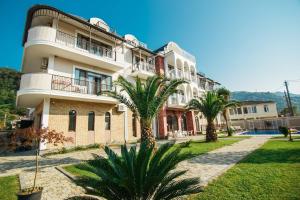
141,175
210,105
146,99
227,103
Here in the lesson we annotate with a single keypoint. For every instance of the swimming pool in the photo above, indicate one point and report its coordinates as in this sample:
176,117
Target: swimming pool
263,132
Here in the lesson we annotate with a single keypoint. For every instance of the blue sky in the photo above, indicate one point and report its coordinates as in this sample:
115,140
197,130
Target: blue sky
251,45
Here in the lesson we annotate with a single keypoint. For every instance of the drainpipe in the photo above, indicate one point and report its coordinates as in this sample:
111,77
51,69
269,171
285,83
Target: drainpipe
125,126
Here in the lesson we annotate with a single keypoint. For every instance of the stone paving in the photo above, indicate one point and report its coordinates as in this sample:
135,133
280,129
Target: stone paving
57,186
25,161
214,163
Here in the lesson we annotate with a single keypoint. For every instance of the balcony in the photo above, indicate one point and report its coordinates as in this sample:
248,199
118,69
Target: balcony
34,87
53,41
143,70
177,101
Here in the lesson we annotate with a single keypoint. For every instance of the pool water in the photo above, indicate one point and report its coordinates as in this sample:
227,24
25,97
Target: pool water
263,132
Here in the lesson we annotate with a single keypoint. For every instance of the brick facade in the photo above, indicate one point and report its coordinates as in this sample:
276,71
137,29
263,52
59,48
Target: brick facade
59,120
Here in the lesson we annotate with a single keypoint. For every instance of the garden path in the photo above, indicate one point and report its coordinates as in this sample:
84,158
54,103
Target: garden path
214,163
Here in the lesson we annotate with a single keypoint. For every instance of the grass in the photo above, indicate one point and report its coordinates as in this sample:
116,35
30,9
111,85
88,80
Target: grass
195,148
9,186
286,138
270,173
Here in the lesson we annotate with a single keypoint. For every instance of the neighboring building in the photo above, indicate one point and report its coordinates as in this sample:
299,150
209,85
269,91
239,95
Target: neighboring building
249,110
180,64
67,64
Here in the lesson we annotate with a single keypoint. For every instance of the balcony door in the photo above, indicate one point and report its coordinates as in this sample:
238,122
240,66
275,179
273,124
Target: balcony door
94,84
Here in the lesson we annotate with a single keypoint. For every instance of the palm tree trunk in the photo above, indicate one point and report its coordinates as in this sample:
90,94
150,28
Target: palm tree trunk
146,133
290,136
229,133
211,135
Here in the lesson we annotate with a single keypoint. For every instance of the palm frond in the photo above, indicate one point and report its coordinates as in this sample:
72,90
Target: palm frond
144,174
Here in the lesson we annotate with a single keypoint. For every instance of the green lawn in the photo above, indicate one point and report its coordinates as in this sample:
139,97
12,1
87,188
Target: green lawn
270,173
286,138
195,148
9,186
199,147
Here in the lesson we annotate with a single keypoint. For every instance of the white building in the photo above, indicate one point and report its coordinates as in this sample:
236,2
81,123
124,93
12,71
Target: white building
249,110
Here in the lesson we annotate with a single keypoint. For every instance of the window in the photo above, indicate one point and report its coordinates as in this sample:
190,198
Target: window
254,110
239,111
107,121
266,108
231,111
72,120
249,109
134,125
93,46
94,81
80,77
91,121
245,110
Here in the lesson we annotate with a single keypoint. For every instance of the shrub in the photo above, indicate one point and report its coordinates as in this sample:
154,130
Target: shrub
145,174
185,144
284,130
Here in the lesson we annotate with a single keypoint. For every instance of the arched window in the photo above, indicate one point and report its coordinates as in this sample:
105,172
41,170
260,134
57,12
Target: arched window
72,120
134,125
107,121
91,121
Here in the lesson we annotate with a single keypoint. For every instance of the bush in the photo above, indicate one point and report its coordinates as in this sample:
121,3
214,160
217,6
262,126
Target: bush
185,144
147,173
284,130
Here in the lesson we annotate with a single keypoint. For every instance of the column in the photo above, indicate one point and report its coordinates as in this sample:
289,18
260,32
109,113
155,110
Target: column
162,123
45,119
191,125
160,65
50,68
178,114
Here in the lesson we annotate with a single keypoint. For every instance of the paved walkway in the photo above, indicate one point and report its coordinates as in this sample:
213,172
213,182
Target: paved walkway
58,186
55,184
25,161
214,163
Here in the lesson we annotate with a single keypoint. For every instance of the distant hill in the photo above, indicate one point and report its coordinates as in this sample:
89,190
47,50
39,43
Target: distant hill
278,97
9,84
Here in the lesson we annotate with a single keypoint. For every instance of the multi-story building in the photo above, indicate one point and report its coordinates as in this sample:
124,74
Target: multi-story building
249,110
68,63
175,118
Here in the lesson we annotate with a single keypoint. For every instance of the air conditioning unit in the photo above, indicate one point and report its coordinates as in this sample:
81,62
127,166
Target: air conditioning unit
121,108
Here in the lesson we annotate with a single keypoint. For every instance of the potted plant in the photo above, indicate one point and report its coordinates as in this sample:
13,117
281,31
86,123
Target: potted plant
34,137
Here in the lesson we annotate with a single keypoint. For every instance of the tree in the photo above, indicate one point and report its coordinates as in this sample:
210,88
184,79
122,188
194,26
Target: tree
145,99
9,84
227,103
34,137
144,174
211,104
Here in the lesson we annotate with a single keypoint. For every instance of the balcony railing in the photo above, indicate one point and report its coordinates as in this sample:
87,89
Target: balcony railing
82,44
180,74
143,66
181,98
173,100
67,84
